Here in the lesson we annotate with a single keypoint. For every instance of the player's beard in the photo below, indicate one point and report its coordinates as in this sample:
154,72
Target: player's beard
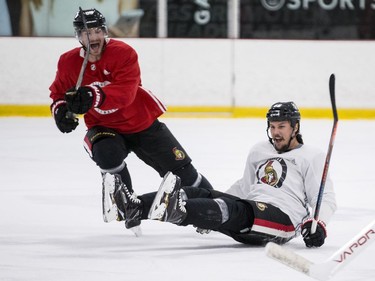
282,148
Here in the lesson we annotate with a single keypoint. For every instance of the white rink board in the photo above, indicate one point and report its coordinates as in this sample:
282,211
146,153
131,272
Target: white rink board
211,72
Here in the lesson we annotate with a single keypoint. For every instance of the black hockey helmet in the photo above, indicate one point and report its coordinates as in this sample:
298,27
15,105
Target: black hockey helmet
93,18
285,111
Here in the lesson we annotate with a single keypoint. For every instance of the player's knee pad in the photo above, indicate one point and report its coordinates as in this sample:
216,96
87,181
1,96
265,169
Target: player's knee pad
203,213
106,147
240,215
95,134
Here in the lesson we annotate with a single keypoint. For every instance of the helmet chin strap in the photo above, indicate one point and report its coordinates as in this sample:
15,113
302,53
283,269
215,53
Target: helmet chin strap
290,141
287,148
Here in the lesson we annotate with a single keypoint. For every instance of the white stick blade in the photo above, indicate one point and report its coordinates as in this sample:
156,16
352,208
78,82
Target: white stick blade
297,262
288,258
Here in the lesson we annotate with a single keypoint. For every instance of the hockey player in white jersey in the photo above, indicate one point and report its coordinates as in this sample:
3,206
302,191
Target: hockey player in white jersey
273,201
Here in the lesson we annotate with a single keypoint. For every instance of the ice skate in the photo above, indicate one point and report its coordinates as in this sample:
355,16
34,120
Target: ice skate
168,204
129,206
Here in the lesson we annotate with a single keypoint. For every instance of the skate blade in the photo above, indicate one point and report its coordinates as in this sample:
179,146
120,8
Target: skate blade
137,230
158,212
110,212
165,188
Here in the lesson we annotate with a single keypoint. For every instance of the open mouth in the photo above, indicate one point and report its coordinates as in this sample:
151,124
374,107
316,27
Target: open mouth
95,47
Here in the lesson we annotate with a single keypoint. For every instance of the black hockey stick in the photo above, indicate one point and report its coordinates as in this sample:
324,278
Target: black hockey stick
84,63
85,60
329,152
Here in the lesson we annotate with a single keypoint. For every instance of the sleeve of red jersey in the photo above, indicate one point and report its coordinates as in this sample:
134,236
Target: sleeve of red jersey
66,75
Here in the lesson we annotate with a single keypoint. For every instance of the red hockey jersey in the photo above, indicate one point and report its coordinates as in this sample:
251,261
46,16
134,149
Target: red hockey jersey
127,107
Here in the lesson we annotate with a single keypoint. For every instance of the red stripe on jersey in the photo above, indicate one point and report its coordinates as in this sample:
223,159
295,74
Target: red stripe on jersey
274,225
87,145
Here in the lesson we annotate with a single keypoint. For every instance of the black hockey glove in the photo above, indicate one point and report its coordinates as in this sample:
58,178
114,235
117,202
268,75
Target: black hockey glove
202,230
65,121
316,239
84,98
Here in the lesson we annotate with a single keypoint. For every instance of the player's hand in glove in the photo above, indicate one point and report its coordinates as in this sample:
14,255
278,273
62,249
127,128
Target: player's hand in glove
202,230
316,239
84,98
65,120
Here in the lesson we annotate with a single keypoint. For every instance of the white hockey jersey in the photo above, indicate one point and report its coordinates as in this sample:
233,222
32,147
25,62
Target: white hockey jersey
289,181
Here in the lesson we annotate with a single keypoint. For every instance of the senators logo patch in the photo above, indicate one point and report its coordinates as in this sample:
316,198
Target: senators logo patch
180,155
261,206
272,172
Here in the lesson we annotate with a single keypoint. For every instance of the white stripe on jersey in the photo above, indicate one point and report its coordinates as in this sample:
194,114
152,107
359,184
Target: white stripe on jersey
162,107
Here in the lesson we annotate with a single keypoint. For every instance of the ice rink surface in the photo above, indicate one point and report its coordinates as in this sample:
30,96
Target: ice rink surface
51,225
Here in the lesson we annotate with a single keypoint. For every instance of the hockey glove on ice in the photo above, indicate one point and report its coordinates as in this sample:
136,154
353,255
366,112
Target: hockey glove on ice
202,230
84,98
64,121
316,239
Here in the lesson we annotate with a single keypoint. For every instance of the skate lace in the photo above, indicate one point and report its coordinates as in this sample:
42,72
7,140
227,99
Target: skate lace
132,196
181,203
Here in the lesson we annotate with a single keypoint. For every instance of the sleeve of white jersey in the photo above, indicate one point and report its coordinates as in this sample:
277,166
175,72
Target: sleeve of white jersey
312,184
241,187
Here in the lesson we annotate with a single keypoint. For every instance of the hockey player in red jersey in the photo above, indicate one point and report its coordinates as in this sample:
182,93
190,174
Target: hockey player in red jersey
121,116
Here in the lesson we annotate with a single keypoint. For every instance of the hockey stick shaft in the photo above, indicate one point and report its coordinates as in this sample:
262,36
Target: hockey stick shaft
86,58
352,248
329,152
69,114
